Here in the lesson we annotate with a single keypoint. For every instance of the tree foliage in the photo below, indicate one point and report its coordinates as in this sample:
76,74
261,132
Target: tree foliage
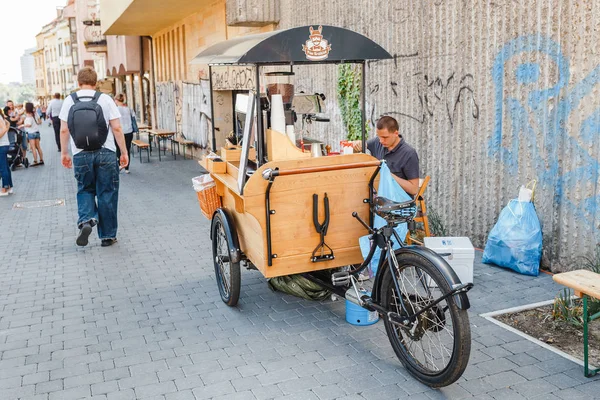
17,92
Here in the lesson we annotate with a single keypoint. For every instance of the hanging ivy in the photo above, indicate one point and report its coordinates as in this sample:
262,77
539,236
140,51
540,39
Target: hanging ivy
348,85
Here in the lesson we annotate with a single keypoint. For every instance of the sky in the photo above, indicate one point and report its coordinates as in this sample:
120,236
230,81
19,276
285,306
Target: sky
18,34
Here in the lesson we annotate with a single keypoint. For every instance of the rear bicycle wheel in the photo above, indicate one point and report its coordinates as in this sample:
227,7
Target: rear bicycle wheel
227,273
435,348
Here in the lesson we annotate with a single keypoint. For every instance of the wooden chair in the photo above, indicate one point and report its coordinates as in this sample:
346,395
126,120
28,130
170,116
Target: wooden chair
421,211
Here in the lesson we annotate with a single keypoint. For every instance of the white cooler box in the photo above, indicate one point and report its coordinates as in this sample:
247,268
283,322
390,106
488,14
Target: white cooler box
461,254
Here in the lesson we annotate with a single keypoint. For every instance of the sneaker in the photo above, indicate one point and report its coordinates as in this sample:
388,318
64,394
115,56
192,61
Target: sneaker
11,191
84,234
126,171
41,162
108,242
3,193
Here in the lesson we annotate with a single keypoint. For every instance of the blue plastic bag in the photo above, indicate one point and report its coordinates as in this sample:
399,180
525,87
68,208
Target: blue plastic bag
390,189
515,241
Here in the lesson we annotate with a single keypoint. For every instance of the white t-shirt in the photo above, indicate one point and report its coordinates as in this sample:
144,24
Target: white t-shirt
126,115
4,141
54,107
34,128
109,109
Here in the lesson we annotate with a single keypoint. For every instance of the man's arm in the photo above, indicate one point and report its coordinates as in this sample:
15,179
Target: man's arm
410,186
65,158
410,170
115,124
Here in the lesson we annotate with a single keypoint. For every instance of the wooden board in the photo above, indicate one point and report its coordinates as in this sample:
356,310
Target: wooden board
293,233
581,281
280,147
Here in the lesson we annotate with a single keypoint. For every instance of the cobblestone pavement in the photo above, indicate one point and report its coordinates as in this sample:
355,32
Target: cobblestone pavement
143,319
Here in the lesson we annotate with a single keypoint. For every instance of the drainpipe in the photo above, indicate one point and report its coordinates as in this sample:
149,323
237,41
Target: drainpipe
151,85
141,83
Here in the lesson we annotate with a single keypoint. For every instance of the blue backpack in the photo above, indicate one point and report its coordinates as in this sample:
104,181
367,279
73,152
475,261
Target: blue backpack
86,122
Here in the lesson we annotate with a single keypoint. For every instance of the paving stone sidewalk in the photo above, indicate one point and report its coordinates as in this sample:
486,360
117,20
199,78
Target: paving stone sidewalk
143,319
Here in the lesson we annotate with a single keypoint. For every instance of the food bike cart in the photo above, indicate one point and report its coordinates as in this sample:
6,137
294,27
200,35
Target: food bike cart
279,209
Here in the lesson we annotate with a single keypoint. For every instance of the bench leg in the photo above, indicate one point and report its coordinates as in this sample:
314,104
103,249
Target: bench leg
148,154
586,320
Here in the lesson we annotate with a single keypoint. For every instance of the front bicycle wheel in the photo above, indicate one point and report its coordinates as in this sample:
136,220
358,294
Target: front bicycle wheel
435,348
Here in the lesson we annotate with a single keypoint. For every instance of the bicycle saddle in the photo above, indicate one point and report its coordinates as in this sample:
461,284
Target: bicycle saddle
393,210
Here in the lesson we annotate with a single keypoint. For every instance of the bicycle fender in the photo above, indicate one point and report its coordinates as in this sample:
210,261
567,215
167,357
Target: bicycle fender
461,299
232,239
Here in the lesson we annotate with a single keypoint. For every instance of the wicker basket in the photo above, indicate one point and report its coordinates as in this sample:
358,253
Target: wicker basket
209,201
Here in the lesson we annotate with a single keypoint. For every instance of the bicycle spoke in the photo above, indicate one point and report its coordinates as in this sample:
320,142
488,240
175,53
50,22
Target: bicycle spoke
431,341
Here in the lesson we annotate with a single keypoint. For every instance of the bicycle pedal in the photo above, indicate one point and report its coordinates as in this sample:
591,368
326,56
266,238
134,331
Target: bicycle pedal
340,278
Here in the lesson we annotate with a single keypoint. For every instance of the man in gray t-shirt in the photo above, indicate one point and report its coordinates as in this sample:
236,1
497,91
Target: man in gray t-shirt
401,158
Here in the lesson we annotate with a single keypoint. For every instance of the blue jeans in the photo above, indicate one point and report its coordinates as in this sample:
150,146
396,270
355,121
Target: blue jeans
97,177
5,173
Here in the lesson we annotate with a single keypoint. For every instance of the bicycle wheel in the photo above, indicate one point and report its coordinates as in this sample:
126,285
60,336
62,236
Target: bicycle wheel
227,272
435,349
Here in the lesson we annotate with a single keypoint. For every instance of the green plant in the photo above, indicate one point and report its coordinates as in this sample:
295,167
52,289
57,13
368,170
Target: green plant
593,262
567,309
348,93
436,225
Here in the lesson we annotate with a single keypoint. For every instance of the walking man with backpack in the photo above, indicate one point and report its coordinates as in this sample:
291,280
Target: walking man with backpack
90,124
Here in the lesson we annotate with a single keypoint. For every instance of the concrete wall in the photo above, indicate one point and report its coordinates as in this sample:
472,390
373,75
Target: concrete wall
492,95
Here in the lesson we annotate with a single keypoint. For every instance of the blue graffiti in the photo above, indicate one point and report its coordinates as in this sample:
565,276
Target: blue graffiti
547,111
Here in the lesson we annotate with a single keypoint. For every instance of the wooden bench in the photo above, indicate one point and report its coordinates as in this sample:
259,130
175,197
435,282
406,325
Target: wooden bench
141,145
585,284
183,142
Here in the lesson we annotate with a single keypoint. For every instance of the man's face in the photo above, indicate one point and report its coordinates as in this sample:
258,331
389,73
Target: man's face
10,105
387,139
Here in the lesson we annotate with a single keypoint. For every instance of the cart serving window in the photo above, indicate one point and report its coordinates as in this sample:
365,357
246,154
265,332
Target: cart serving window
285,210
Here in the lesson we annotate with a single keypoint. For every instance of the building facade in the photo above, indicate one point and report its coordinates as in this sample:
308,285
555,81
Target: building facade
91,44
179,90
28,66
67,43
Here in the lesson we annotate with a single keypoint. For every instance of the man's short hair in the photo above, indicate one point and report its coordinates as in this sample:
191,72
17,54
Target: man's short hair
388,123
10,101
57,95
87,76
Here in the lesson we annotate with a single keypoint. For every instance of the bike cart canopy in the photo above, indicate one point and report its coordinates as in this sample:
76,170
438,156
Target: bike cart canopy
304,45
316,44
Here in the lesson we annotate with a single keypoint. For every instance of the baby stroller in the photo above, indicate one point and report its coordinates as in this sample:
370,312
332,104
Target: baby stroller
17,152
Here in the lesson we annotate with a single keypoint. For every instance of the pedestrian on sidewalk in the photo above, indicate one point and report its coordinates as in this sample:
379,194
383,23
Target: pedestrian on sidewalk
31,124
5,173
54,108
90,123
10,113
127,118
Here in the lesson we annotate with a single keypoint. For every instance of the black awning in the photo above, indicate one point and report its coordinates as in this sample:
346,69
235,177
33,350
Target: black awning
302,45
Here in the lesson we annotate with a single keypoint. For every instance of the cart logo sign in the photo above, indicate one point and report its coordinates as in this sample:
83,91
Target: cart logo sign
316,48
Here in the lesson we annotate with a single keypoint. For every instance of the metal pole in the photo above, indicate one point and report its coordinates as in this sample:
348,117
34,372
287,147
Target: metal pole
212,108
363,113
260,135
586,370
